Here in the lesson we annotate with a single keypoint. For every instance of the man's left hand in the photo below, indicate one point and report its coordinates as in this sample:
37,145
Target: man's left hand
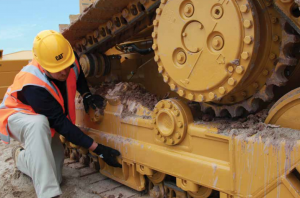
93,101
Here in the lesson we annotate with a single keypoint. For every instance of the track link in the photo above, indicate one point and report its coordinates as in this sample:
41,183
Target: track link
109,22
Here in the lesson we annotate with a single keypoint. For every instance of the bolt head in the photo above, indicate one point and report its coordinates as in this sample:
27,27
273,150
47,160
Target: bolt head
166,79
154,35
171,141
265,72
247,23
169,105
201,98
161,105
248,40
178,136
231,81
176,113
154,47
160,69
191,96
230,69
173,87
245,55
239,69
244,8
158,11
181,93
212,95
222,90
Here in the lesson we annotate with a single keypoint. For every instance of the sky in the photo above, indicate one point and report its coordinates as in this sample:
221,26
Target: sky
21,20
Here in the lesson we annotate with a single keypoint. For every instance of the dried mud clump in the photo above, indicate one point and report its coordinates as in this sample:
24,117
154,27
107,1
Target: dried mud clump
131,96
252,128
99,90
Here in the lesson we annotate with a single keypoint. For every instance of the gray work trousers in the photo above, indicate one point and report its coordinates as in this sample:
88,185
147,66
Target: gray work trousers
43,157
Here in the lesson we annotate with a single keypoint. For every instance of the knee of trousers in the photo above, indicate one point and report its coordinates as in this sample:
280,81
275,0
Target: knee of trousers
39,124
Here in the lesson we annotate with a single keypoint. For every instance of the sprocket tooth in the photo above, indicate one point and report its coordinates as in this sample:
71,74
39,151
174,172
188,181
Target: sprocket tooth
290,38
286,61
266,93
248,105
204,106
237,111
278,78
217,111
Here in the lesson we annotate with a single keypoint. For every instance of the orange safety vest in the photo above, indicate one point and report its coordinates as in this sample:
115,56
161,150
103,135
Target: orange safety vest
33,74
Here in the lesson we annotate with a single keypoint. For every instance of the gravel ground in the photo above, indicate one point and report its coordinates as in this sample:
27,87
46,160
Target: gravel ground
78,181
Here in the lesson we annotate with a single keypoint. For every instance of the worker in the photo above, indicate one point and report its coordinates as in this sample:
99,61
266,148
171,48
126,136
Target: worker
40,105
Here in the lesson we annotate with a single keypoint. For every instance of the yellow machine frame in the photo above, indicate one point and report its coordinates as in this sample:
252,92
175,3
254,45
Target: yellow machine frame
204,160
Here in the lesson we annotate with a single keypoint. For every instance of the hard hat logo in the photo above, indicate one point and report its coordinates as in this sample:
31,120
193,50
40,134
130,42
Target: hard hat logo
59,57
52,51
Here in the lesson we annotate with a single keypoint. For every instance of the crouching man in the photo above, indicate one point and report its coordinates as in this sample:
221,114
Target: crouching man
40,105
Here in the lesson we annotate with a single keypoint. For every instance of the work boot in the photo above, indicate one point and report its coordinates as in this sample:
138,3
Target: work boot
15,153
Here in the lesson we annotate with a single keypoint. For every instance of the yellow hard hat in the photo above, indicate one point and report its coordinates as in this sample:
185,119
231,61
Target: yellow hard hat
52,51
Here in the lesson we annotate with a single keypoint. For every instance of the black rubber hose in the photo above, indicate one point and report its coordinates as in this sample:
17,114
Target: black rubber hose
141,51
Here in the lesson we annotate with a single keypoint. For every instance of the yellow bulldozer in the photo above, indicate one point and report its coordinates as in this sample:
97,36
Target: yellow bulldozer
202,95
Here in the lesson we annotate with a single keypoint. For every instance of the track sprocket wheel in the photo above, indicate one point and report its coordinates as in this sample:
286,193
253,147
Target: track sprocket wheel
227,55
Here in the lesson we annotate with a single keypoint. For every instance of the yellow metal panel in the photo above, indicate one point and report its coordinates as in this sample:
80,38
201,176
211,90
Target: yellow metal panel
10,65
249,167
280,191
22,55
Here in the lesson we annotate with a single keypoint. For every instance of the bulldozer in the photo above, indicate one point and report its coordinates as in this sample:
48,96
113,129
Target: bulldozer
202,96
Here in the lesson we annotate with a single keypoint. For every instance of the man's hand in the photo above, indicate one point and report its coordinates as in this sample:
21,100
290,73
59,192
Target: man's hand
93,101
108,155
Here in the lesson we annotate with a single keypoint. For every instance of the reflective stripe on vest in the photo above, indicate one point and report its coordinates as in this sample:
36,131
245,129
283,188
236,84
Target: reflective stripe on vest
33,74
76,69
35,71
5,138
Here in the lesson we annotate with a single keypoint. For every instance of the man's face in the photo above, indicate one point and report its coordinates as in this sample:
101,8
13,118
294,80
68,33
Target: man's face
61,76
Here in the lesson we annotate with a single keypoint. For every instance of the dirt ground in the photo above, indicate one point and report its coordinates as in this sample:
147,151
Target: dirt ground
78,181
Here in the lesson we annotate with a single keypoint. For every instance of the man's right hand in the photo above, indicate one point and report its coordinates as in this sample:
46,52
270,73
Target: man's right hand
94,101
108,155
